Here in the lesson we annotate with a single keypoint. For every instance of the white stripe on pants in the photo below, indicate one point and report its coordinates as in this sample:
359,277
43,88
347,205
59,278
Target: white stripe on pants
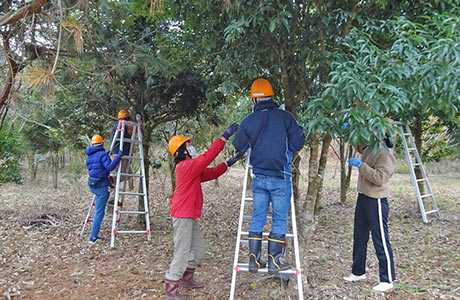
384,242
189,248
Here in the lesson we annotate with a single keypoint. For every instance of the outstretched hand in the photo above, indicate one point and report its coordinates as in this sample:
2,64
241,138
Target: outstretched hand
234,159
230,131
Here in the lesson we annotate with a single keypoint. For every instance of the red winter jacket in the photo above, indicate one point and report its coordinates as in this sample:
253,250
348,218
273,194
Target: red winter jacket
187,201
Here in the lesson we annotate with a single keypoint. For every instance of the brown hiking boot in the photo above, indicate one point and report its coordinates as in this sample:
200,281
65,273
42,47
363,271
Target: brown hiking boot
172,290
187,280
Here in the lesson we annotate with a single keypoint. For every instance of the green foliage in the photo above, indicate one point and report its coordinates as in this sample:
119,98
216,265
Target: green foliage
75,170
11,151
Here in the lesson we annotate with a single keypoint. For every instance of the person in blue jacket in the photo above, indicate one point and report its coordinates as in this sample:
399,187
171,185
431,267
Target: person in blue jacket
272,134
99,166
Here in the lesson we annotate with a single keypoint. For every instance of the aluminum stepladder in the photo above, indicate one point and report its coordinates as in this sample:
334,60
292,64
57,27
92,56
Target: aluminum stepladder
120,193
244,267
412,153
136,138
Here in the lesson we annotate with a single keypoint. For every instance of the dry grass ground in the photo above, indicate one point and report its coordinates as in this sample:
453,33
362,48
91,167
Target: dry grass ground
42,255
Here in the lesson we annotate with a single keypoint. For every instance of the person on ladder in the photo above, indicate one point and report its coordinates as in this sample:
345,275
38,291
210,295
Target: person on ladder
99,166
371,213
186,205
122,115
272,134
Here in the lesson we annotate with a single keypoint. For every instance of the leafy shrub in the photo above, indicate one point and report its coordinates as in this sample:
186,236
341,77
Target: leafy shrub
11,151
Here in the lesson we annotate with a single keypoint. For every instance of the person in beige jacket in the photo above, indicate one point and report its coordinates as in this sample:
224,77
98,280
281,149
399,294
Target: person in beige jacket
371,213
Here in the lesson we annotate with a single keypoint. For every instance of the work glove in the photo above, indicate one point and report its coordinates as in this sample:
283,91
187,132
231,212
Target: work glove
121,153
345,126
230,130
234,159
354,162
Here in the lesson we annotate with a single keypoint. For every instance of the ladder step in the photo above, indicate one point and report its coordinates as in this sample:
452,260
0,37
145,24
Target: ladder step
411,149
131,193
132,212
423,179
131,175
407,133
250,217
246,242
417,164
427,195
248,199
431,211
290,235
131,231
131,157
245,268
129,140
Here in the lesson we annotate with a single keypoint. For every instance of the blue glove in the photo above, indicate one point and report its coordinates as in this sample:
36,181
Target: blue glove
121,153
230,131
234,159
345,126
354,162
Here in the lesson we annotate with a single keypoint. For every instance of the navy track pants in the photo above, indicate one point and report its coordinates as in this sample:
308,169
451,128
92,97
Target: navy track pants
371,215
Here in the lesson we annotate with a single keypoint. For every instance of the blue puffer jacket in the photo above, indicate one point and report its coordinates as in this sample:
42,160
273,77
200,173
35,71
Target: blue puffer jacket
272,134
99,163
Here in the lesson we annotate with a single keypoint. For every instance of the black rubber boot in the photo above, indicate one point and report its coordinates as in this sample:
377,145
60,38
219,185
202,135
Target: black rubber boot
255,244
275,250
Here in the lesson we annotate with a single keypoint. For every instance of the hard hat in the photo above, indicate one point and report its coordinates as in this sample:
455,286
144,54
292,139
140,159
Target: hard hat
175,142
123,114
97,139
261,88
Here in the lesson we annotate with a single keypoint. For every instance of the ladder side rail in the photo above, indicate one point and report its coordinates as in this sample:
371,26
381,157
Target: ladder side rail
427,183
88,215
240,225
144,182
412,172
296,246
114,139
117,186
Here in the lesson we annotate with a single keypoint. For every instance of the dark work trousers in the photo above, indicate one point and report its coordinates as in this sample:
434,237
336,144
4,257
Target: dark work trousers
371,214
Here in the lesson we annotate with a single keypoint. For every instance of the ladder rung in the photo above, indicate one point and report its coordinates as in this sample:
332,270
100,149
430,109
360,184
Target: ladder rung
423,179
129,140
417,164
290,235
245,268
411,149
406,134
131,193
427,195
431,211
131,157
131,175
245,242
132,212
248,199
131,231
250,217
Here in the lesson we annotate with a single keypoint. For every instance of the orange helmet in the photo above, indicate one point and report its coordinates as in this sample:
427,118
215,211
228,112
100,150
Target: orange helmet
96,139
123,114
175,142
261,88
391,122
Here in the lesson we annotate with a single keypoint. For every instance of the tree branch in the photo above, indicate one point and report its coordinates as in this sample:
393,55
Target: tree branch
14,16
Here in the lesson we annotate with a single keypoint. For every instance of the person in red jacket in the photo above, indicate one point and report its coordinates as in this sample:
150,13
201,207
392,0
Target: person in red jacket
186,207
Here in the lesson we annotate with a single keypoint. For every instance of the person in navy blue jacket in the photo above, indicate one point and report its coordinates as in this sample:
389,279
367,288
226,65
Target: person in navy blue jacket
99,166
272,134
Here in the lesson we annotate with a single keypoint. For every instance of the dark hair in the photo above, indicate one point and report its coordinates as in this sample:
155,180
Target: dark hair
388,142
181,153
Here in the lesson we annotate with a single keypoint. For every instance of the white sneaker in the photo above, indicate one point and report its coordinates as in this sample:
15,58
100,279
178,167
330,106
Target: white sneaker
353,277
383,287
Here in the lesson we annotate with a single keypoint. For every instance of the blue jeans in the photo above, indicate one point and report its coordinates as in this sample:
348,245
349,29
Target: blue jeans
102,194
278,191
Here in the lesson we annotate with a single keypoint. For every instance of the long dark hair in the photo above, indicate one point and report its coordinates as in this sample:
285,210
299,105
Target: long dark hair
181,154
388,142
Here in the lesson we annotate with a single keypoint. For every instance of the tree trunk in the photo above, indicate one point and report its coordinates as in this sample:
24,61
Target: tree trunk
55,166
308,207
146,136
32,165
417,133
321,169
345,173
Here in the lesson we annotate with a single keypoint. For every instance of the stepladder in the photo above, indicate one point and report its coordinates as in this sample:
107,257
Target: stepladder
241,257
423,191
127,135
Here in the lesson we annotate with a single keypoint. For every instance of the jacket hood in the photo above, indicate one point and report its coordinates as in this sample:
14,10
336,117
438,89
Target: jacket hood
93,149
265,105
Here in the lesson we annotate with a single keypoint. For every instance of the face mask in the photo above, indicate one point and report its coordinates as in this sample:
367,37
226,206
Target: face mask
191,150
